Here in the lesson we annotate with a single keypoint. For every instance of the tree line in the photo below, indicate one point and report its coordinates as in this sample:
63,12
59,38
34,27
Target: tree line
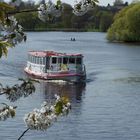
98,19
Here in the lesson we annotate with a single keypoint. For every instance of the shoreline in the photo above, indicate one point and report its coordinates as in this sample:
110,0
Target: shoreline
61,30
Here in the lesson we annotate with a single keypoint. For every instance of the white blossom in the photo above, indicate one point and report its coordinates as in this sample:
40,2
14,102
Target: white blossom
12,31
82,7
7,112
48,11
17,91
51,9
14,95
57,97
13,24
52,108
41,119
80,12
43,110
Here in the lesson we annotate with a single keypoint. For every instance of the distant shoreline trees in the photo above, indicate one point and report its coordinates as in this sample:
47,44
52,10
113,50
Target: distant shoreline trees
99,18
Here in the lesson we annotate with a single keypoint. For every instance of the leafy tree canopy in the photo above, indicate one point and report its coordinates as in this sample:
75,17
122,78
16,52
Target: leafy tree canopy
126,25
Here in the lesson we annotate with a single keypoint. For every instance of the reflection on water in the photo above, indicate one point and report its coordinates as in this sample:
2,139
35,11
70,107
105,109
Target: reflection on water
73,91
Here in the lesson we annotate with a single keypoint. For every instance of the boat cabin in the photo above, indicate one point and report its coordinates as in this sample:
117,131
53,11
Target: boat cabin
49,61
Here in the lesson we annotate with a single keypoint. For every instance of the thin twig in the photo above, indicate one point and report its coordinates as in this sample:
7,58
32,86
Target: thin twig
1,93
23,133
22,11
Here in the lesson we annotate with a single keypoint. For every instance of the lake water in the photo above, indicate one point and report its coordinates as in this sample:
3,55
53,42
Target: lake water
107,107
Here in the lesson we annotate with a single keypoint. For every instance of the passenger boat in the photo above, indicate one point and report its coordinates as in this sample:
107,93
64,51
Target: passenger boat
50,65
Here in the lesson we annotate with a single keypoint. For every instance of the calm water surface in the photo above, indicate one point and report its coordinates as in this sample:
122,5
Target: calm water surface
107,107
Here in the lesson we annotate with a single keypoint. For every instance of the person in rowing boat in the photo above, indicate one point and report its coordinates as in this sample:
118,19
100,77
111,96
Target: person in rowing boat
73,39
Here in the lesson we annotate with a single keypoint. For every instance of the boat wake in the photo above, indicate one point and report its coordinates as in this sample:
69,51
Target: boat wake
92,76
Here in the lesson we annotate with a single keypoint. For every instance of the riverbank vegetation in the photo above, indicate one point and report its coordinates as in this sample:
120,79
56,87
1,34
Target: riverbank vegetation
126,26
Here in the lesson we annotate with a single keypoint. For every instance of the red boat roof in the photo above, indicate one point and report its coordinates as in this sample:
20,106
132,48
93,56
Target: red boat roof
50,53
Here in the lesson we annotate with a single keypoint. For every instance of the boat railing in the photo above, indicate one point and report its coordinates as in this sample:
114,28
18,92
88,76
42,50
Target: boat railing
57,69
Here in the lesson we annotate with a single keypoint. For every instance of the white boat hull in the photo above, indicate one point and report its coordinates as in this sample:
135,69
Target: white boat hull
66,76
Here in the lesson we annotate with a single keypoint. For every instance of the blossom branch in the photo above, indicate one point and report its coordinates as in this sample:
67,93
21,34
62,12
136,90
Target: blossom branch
23,133
22,11
17,91
7,111
42,119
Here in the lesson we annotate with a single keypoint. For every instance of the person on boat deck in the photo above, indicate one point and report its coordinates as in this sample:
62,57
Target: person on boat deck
51,67
64,67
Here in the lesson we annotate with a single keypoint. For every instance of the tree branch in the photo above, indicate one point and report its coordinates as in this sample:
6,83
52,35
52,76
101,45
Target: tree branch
22,11
23,133
1,93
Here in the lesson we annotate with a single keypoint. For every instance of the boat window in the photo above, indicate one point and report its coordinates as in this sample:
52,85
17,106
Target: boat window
37,60
33,59
71,60
47,63
30,58
54,60
78,61
65,60
43,60
59,60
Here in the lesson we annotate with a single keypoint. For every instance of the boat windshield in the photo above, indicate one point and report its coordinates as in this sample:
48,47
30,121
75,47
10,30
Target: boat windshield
66,60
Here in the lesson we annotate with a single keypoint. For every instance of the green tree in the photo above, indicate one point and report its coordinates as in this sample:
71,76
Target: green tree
105,21
126,25
66,15
28,20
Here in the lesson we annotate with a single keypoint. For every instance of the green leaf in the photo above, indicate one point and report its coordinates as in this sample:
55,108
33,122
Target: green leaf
8,22
4,48
2,16
12,113
12,35
65,100
58,107
58,2
5,51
